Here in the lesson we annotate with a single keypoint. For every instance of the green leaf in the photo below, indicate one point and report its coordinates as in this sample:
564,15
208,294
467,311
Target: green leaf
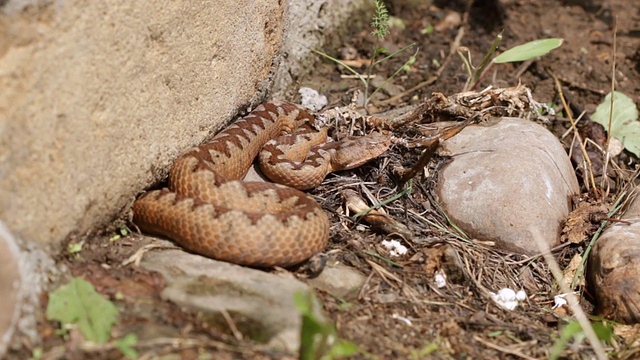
319,339
427,29
528,51
380,21
125,346
75,247
78,303
427,349
604,331
302,302
342,348
381,51
572,329
624,120
36,354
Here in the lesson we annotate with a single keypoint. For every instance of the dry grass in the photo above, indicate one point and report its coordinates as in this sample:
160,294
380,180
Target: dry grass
401,313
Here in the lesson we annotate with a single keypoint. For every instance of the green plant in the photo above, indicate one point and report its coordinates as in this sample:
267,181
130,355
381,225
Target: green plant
380,25
319,339
36,354
428,349
618,204
123,232
125,345
618,115
78,304
75,248
518,53
573,331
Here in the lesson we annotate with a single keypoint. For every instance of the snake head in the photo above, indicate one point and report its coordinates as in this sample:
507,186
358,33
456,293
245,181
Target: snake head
352,152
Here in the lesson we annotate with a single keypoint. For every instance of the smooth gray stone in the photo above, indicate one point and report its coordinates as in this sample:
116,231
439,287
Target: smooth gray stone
507,177
260,304
614,268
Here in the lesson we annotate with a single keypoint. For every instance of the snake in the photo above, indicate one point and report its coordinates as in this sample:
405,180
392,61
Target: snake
209,210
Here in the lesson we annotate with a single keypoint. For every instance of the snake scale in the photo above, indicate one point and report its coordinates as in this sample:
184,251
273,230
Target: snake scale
210,211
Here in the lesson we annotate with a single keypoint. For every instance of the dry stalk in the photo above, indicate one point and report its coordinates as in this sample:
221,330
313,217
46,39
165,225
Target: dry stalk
574,304
585,156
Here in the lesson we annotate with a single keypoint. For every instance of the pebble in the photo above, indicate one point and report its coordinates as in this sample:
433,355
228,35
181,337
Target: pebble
339,280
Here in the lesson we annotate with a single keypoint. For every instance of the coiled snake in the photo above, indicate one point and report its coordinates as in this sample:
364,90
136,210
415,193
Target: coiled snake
210,211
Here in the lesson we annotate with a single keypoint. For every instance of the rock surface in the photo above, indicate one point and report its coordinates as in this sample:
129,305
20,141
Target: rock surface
10,285
339,280
614,268
26,271
259,304
98,99
507,177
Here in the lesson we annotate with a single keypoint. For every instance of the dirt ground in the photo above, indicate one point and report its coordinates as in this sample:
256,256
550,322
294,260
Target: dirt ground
400,313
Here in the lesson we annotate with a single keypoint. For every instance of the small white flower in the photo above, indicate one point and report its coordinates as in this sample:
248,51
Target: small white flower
440,279
560,300
508,298
394,247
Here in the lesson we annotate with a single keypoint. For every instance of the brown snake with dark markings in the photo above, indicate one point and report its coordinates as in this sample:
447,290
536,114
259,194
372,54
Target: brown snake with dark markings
210,211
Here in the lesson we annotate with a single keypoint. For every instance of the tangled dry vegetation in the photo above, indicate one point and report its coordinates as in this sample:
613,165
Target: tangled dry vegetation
401,311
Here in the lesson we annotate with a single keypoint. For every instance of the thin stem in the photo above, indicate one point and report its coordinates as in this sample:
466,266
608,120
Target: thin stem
607,155
393,54
411,59
369,71
349,68
485,61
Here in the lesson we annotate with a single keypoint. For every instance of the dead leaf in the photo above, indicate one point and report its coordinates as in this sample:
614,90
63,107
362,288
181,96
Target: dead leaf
578,228
570,272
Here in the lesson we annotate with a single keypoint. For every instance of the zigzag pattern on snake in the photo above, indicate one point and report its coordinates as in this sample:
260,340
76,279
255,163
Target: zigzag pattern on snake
210,211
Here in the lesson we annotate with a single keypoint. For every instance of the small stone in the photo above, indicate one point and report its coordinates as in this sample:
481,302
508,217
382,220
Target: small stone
508,179
312,99
339,280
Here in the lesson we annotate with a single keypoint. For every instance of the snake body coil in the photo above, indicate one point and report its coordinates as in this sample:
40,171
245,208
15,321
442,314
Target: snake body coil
210,211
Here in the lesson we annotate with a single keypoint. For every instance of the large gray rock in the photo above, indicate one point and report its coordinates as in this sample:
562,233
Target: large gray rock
614,268
259,305
507,177
99,98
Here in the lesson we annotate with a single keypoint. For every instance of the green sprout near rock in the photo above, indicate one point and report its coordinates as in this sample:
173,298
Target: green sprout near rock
380,25
620,121
572,332
524,52
77,304
318,338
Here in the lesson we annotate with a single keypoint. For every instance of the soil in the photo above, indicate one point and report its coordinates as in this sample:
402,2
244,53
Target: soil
400,313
